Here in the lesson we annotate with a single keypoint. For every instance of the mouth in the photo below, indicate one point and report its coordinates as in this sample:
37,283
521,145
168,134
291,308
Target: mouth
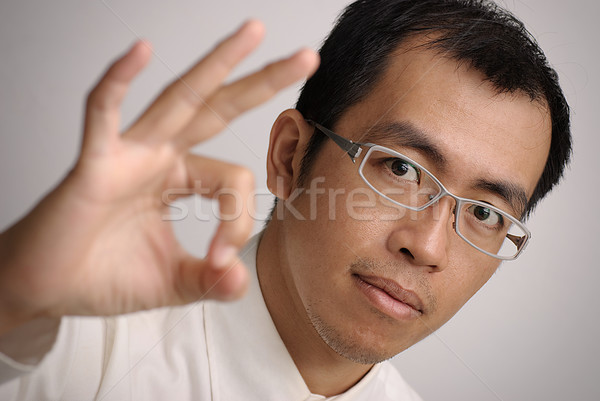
389,297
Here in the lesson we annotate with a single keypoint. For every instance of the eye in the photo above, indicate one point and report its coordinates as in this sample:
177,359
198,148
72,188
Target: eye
486,216
402,168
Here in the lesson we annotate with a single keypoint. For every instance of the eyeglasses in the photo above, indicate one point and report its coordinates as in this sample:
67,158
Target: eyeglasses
406,183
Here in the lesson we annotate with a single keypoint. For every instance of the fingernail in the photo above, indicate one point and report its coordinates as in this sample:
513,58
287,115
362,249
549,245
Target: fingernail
224,256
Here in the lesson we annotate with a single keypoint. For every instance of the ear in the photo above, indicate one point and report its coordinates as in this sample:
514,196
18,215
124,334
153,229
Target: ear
289,136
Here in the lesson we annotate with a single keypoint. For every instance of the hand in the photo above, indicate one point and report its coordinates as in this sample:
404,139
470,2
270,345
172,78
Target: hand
98,243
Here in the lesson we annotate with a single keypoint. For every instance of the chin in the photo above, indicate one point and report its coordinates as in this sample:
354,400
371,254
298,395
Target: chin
354,348
363,344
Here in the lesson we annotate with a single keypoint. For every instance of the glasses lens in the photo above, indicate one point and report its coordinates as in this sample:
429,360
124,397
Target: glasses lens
491,230
398,178
402,180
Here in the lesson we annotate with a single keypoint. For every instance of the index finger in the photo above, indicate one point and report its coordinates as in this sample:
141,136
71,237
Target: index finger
232,186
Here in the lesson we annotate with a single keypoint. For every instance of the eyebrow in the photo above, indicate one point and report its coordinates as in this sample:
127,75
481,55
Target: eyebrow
513,194
405,133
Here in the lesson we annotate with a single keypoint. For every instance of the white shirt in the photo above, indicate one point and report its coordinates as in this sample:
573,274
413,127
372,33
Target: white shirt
202,351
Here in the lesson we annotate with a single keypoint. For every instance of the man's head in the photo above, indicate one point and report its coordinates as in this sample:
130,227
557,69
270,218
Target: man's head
474,33
372,279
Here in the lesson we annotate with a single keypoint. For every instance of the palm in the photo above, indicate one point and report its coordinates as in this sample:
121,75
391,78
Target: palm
99,243
134,259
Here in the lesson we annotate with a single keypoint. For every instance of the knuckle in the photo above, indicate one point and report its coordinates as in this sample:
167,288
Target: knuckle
220,67
105,96
272,78
225,105
242,177
95,100
270,69
238,178
180,91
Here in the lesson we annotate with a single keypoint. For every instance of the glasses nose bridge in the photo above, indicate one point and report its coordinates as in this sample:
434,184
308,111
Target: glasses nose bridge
446,193
435,200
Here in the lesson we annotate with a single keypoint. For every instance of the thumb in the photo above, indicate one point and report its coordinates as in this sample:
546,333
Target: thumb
197,280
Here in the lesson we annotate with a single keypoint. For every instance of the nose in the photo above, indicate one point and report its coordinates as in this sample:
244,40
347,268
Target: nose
424,236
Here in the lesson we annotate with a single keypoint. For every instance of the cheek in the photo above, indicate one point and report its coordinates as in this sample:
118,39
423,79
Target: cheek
337,208
316,246
456,285
337,226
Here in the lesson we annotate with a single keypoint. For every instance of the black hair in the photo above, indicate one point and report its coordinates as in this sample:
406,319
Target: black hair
479,33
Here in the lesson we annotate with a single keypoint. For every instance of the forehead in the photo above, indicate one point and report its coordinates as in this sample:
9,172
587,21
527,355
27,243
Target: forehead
480,132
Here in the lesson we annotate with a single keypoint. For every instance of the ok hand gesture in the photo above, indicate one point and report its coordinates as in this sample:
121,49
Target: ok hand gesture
98,243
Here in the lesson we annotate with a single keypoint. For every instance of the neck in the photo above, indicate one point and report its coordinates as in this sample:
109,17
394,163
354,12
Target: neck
324,371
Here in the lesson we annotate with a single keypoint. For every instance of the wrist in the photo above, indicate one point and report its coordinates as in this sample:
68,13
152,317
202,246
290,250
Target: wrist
30,342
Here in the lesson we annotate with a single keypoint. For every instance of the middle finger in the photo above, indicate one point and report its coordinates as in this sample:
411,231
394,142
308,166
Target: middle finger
240,96
180,101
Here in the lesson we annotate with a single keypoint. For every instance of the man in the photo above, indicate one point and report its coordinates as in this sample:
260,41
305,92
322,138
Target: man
455,126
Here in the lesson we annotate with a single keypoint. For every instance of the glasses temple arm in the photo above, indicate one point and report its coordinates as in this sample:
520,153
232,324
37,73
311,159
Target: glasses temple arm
347,145
516,239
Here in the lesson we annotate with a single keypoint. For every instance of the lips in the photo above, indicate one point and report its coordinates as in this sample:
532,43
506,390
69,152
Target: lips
394,290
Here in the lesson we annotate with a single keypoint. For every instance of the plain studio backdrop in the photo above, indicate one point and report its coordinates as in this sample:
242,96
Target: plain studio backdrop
530,334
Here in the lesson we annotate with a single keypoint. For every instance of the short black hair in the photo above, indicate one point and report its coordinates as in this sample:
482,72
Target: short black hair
478,33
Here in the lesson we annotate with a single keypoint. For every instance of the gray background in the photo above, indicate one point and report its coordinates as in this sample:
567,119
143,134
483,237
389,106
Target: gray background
530,334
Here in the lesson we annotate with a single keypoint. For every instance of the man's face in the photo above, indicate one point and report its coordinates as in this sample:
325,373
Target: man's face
343,264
